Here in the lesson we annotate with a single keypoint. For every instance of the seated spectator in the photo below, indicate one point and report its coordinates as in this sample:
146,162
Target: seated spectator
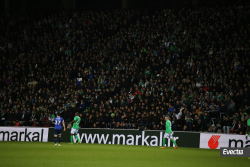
15,123
238,128
118,125
174,124
47,124
112,121
33,117
196,123
10,118
213,114
24,118
94,125
185,128
41,119
154,127
226,125
222,110
244,124
230,108
222,122
21,123
123,126
189,123
210,129
233,126
180,123
35,124
242,116
134,126
3,118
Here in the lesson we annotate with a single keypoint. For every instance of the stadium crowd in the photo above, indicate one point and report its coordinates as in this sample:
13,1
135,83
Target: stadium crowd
127,69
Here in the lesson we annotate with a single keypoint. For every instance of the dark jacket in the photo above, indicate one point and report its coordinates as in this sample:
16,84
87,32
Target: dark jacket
24,117
227,123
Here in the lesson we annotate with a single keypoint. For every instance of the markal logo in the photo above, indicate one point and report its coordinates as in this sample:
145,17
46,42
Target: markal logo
23,134
125,139
233,152
213,142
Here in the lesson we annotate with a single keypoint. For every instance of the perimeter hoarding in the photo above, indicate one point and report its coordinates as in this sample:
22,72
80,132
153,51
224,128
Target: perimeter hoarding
130,137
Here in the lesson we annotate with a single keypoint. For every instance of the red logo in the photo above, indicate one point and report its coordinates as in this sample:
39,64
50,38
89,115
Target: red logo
213,142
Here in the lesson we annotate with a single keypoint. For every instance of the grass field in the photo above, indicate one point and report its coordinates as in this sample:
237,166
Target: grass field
31,154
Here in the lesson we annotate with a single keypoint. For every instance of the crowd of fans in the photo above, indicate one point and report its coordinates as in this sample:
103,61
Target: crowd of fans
128,68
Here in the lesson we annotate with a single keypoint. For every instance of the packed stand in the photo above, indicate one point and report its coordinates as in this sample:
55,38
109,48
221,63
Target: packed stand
127,69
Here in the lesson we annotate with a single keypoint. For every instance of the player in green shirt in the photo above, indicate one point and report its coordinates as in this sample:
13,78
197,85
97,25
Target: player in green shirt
168,132
75,128
248,130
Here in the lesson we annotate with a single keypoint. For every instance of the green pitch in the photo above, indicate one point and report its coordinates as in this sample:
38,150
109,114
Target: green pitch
32,154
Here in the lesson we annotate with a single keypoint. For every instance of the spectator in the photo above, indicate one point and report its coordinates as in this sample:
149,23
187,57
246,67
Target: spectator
10,119
189,123
185,128
47,124
35,124
82,106
226,125
210,129
15,123
113,121
180,123
174,124
230,108
238,128
24,118
9,80
222,123
234,126
21,123
196,123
